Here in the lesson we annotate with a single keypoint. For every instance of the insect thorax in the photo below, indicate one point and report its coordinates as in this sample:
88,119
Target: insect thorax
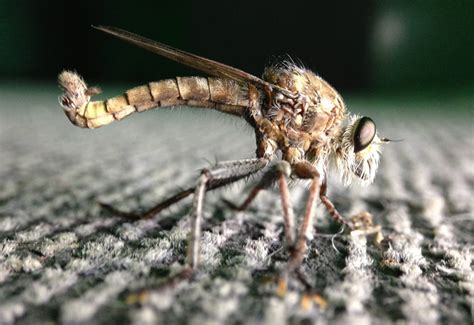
302,126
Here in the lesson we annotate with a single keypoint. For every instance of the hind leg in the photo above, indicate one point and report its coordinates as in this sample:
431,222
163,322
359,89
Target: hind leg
219,175
222,173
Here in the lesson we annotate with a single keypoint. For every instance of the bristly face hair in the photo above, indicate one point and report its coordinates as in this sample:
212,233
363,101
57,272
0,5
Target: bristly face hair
355,148
357,151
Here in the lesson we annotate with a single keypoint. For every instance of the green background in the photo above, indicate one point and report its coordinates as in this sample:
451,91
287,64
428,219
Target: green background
360,46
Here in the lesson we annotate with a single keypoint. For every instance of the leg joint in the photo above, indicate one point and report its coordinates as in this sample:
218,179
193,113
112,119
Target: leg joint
305,170
283,167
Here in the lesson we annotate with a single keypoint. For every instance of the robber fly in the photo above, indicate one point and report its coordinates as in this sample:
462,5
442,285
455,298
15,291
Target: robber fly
295,114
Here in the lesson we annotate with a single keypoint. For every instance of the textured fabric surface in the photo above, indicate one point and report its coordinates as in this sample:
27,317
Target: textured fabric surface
63,259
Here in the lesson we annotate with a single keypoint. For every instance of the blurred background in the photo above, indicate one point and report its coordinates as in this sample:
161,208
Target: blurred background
359,46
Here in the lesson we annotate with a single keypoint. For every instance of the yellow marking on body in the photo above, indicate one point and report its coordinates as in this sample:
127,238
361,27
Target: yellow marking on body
116,104
100,121
95,110
367,151
139,95
81,110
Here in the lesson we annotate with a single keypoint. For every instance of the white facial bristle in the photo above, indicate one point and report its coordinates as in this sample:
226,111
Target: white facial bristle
359,167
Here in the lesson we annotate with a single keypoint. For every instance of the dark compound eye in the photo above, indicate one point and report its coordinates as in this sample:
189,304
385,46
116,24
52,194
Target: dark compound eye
364,133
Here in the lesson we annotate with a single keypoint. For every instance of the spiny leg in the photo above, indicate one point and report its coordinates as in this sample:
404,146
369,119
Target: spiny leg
219,175
330,206
225,173
150,213
279,172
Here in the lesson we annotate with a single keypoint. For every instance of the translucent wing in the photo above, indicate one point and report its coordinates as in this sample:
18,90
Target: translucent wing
208,66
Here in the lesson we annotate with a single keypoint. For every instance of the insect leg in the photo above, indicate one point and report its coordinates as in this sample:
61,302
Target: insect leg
302,170
330,207
222,173
306,171
279,172
287,207
195,233
219,175
152,211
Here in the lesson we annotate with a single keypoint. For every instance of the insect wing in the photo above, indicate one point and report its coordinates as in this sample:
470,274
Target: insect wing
208,66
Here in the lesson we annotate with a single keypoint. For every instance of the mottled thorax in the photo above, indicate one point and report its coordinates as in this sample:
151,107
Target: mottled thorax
301,125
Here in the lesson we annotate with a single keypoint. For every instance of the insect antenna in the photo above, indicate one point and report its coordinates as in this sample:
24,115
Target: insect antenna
387,140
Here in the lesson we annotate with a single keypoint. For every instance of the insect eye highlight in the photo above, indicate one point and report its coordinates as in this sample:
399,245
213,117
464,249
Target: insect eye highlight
364,133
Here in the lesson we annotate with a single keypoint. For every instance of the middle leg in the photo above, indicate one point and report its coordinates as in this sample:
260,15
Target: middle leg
279,172
302,170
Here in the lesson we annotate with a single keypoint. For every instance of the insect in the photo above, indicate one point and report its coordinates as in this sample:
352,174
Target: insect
296,115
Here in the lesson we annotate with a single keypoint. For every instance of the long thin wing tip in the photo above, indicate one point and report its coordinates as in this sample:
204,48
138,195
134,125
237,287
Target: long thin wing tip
103,28
208,66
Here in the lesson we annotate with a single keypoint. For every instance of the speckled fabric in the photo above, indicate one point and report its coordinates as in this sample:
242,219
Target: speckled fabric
63,259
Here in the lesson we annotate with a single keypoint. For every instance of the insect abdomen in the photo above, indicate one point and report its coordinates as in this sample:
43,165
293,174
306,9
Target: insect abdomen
220,94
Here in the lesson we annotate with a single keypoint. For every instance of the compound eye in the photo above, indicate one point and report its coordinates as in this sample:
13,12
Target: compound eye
364,133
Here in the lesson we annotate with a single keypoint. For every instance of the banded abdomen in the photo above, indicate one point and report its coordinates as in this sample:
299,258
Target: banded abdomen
220,94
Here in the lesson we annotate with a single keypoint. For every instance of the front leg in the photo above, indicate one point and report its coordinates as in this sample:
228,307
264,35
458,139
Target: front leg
305,170
302,170
330,206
